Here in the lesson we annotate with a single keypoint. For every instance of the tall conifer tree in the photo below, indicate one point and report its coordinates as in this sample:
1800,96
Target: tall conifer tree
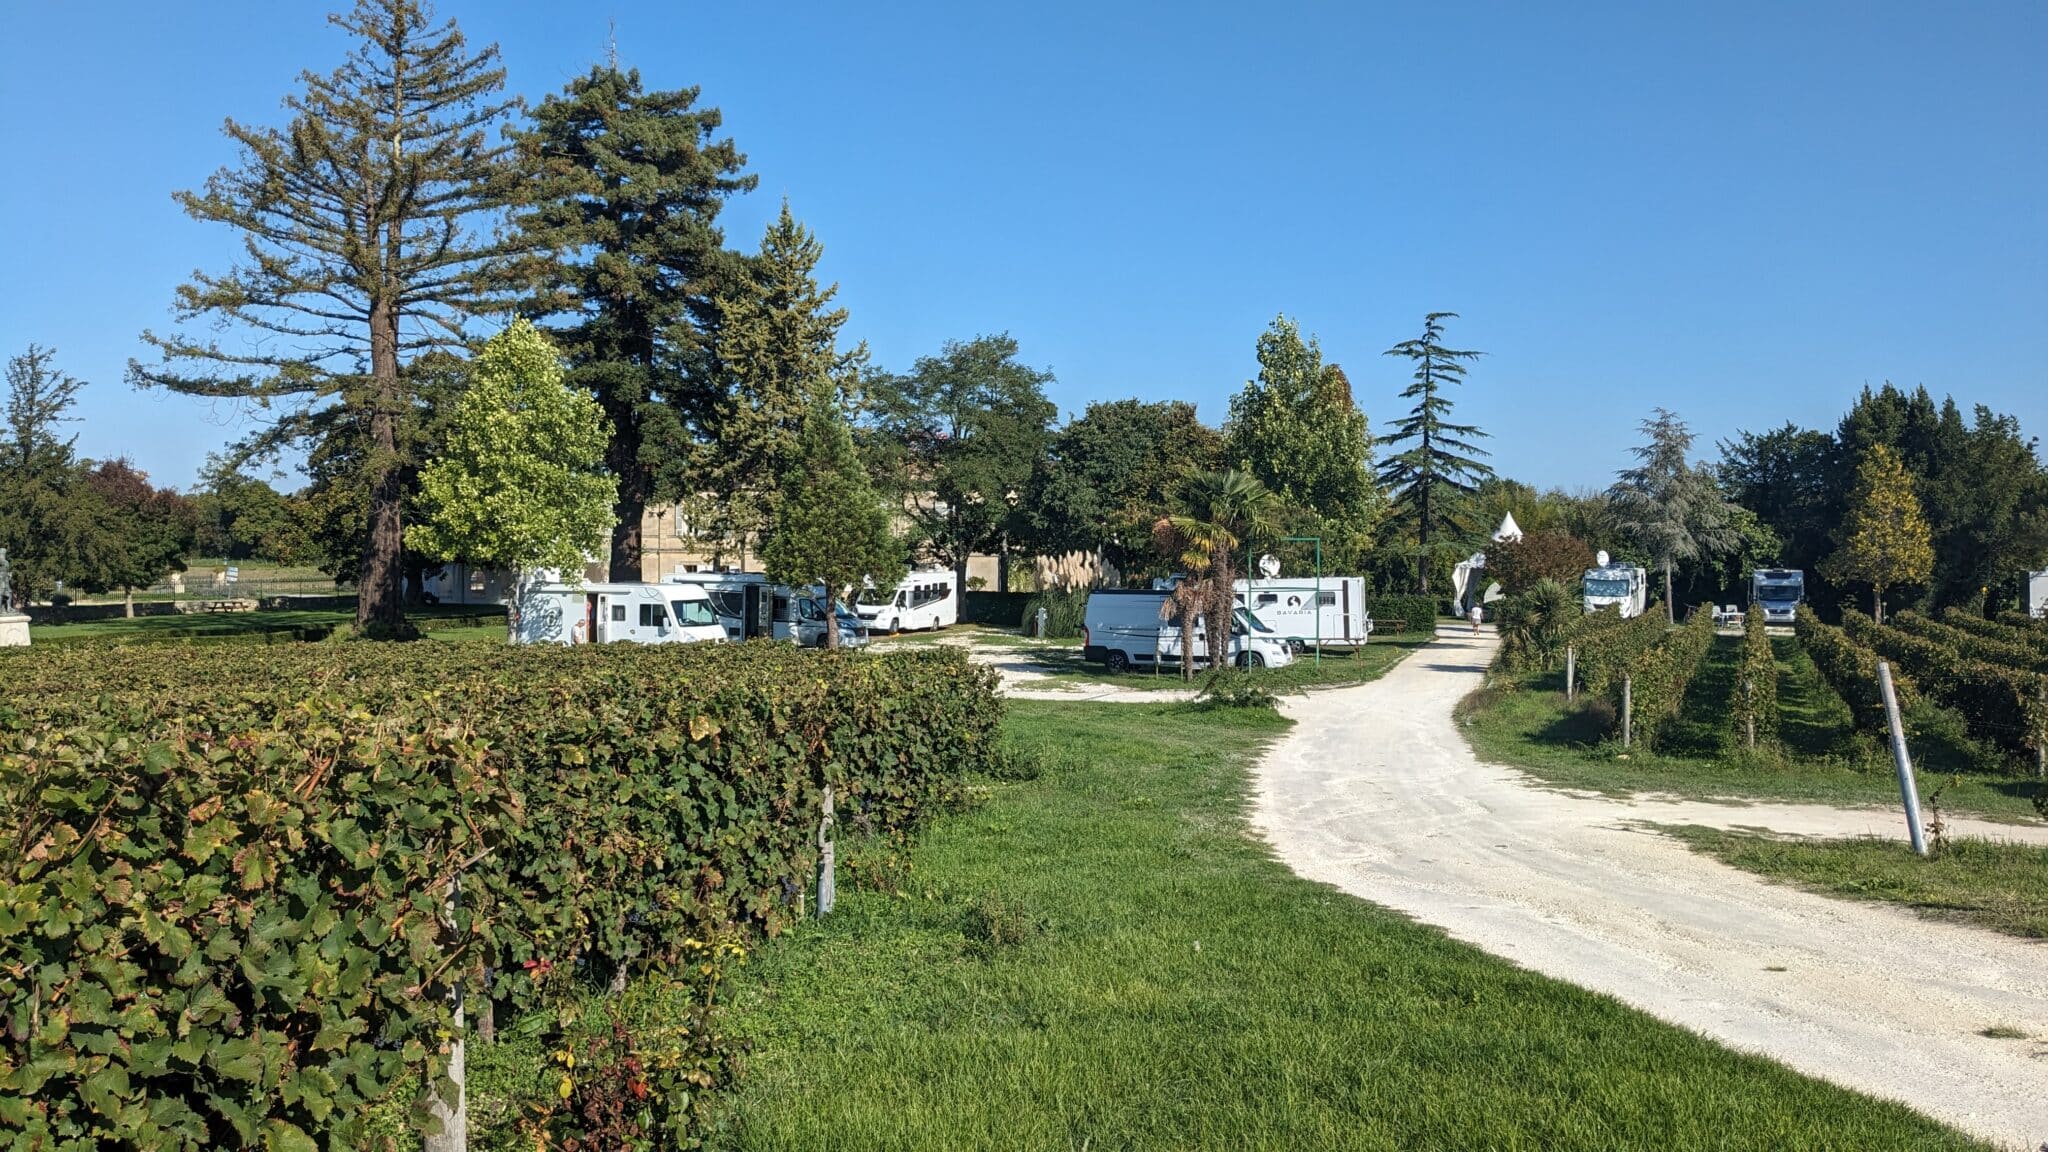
623,190
1439,462
361,251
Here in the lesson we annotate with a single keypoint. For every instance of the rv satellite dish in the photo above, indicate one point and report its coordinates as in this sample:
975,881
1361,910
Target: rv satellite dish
1601,558
1269,565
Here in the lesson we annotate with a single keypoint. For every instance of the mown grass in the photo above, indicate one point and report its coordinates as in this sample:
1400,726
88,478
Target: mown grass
1991,884
1336,669
1524,722
1172,986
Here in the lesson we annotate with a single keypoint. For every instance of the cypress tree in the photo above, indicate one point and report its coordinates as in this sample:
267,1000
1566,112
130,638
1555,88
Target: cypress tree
1440,462
624,187
360,252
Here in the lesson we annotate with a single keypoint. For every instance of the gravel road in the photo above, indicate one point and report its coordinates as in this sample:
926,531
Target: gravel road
1376,792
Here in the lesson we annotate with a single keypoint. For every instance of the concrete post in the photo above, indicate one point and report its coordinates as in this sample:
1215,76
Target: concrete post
453,1114
828,884
1628,709
1571,672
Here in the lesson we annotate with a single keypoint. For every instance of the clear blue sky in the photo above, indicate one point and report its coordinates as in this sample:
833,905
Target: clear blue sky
1742,211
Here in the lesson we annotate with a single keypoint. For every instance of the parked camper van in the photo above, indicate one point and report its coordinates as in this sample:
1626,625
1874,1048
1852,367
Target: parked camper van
1307,611
1123,629
2037,594
923,600
616,613
748,606
1780,591
1623,586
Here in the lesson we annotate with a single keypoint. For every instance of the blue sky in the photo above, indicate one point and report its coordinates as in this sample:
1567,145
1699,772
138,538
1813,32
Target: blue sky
1744,212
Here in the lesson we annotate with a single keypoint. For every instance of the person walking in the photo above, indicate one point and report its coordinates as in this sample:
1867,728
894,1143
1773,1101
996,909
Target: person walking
1475,614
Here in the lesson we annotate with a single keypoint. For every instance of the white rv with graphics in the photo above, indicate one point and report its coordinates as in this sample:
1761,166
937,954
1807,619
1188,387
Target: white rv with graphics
553,613
1307,611
921,601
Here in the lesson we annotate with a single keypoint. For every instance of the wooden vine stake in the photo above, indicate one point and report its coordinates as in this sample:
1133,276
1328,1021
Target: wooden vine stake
1571,669
1628,708
828,884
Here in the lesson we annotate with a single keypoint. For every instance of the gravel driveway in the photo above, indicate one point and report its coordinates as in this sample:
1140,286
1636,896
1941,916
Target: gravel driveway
1376,792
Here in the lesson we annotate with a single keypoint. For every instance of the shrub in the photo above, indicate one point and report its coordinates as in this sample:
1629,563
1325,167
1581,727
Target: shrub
222,899
995,921
1229,687
2004,706
1535,625
2010,628
1660,674
1065,612
1518,565
1418,612
1754,712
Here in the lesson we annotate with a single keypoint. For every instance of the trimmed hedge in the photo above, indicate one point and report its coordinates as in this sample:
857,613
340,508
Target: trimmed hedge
1656,661
1973,645
1066,612
2004,706
2010,628
1755,699
997,609
1418,612
1851,670
222,898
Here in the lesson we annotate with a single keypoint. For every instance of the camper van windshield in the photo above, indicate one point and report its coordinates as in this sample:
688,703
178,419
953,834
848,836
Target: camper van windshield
1779,590
873,596
1606,586
690,613
1252,622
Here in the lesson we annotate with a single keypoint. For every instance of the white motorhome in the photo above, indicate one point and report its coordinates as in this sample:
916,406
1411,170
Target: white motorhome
553,613
1123,629
2037,594
1780,591
1623,586
1329,611
926,599
749,606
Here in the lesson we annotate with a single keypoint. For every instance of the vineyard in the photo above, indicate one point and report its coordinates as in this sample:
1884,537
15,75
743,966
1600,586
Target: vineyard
229,893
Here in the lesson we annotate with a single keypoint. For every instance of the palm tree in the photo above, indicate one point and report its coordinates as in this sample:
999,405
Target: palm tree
1215,515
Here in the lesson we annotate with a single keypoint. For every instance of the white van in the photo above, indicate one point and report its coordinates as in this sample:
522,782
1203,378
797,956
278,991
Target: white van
923,600
1123,628
1307,611
749,606
616,613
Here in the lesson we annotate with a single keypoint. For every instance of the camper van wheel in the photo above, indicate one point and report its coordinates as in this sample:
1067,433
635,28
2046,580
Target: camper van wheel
1251,660
1118,661
895,625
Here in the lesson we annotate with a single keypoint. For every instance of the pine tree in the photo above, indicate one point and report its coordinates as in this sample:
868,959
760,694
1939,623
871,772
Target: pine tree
1298,430
49,519
623,190
778,342
359,218
1427,477
1670,507
1885,541
831,528
519,483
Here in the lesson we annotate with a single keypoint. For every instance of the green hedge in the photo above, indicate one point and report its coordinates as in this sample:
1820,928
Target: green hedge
221,899
1851,670
1608,646
1660,675
1973,645
998,609
1065,612
1755,698
1418,612
2004,706
2010,628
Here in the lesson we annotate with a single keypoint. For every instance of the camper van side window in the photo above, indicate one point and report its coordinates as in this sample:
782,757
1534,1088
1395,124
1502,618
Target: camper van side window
1326,599
653,616
618,613
1266,598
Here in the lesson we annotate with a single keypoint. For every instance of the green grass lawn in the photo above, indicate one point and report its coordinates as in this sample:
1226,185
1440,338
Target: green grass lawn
1989,884
1524,722
1162,982
1336,669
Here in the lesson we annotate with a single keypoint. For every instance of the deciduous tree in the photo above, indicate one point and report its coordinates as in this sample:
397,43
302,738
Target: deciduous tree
1108,472
1517,565
1436,461
363,247
520,480
143,531
1299,431
1885,541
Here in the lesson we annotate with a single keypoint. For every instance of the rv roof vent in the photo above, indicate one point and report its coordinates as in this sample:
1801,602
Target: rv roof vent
1600,559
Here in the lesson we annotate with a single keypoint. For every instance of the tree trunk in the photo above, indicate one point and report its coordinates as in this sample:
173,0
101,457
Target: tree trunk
1002,566
1187,641
831,623
127,601
1670,605
380,608
622,457
960,574
1422,534
1877,602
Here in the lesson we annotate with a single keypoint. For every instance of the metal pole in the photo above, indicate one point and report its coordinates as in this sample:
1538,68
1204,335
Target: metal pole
1907,792
1628,701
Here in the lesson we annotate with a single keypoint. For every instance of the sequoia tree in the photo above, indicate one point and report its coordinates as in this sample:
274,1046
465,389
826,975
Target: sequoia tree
622,192
361,249
1437,461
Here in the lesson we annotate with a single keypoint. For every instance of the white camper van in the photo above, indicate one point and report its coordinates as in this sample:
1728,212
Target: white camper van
1622,586
749,606
616,613
1308,611
2037,594
926,599
1123,629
